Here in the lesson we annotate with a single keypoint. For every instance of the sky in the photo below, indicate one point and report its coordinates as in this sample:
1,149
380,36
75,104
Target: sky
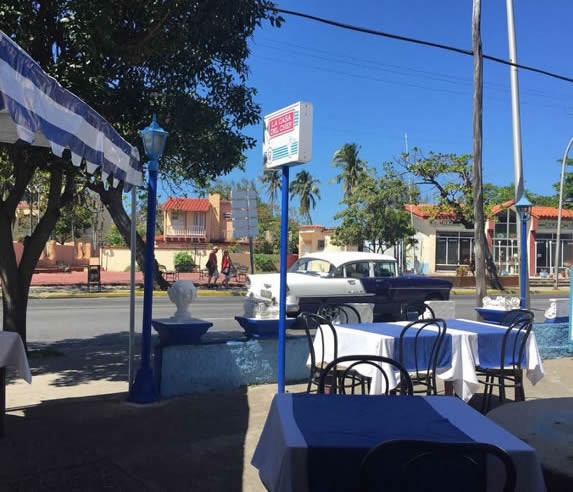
375,91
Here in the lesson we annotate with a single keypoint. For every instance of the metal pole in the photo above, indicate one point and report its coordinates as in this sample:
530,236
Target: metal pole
523,269
283,285
143,389
559,213
132,288
516,125
570,345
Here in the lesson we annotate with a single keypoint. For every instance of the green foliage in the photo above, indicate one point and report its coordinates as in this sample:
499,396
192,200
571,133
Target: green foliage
114,238
306,188
184,262
449,176
265,263
375,212
353,170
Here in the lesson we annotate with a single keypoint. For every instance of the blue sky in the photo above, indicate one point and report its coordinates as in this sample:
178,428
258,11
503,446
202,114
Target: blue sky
372,90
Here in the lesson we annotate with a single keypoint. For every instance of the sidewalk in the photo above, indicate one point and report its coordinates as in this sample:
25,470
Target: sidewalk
72,429
78,280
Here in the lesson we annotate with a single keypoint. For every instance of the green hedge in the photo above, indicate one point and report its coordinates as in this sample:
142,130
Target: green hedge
184,262
265,263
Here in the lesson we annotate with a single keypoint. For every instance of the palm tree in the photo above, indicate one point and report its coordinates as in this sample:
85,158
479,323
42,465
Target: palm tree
353,169
306,188
272,180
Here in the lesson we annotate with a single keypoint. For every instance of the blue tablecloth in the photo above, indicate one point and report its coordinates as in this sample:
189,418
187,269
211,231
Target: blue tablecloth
490,339
425,342
339,431
317,442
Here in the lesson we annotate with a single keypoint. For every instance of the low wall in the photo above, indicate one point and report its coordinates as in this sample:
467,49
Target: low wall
184,369
553,340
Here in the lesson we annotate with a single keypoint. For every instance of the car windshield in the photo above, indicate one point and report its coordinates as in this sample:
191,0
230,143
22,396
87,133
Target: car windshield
312,266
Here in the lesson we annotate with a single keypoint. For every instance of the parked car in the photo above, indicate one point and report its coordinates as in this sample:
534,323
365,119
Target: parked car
320,279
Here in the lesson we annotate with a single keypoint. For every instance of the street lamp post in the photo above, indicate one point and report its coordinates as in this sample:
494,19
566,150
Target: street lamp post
560,212
523,207
143,389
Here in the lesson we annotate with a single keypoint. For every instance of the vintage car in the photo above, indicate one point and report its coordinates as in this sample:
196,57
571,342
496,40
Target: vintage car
322,279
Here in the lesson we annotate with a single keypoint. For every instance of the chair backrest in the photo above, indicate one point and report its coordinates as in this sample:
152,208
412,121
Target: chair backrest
514,344
426,349
411,465
342,369
516,315
412,311
339,313
319,328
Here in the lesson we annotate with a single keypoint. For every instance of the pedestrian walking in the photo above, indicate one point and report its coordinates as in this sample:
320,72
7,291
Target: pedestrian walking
226,268
212,268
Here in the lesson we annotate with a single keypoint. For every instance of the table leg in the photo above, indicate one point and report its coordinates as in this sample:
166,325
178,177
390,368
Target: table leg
449,388
2,399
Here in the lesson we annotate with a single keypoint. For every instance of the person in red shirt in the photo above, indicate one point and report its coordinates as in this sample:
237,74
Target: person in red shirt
212,268
226,268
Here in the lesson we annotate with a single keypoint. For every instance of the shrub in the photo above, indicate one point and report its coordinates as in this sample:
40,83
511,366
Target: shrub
265,263
184,262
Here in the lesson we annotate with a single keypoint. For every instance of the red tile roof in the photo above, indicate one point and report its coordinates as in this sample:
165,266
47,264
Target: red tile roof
551,213
187,204
426,211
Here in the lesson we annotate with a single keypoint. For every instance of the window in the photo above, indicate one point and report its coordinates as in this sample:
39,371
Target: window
320,245
385,269
453,249
359,269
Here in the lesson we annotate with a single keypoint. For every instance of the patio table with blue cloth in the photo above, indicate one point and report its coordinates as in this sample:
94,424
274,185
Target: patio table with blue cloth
12,353
486,346
466,345
316,442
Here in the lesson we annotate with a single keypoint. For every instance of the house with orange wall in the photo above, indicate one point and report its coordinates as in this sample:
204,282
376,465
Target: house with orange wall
197,220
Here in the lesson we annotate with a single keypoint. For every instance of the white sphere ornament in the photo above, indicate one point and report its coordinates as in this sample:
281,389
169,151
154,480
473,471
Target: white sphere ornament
182,293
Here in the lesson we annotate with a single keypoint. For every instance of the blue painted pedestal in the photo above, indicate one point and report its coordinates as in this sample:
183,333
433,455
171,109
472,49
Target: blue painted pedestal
173,332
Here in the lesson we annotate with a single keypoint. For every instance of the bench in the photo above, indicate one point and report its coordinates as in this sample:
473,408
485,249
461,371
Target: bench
168,274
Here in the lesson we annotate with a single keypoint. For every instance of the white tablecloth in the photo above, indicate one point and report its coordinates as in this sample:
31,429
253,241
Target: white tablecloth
282,453
465,354
12,353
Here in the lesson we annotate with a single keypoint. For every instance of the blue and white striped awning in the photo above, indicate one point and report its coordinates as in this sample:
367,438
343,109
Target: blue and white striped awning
35,108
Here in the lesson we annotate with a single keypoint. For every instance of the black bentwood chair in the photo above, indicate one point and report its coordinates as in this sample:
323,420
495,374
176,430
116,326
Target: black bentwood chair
411,465
411,312
509,374
316,326
339,313
423,376
339,376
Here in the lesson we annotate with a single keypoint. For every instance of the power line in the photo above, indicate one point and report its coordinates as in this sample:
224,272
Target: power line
461,51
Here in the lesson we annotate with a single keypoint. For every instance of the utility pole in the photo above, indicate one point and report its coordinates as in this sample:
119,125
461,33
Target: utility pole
516,126
480,244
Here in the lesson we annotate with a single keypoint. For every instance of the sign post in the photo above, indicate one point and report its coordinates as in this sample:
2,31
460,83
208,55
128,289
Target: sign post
244,214
287,141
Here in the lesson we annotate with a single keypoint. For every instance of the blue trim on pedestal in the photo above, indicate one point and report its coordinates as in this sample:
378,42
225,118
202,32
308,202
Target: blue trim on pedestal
180,333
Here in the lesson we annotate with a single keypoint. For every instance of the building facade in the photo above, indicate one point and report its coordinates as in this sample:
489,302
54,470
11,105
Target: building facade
443,246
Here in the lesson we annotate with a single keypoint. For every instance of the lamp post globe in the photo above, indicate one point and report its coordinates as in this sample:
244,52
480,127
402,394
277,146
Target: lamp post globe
143,389
523,207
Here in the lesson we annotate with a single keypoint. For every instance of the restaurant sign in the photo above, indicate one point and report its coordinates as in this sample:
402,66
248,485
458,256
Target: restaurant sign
287,137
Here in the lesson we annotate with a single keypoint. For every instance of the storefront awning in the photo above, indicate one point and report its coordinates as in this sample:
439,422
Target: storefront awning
36,109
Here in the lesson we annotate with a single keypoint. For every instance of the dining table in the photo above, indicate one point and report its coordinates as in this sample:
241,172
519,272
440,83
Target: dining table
316,442
12,354
467,344
546,424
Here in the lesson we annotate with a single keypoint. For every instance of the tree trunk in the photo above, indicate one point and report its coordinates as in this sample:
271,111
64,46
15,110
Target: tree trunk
112,200
17,277
480,244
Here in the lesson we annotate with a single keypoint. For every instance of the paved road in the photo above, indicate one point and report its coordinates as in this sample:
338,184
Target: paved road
51,320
